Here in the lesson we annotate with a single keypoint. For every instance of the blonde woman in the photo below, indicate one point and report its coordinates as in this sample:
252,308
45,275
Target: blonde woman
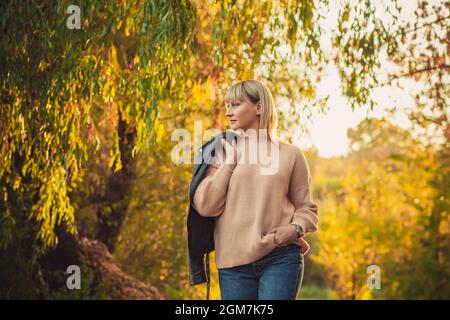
262,209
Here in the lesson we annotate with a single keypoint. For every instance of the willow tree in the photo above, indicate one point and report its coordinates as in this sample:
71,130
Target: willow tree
131,59
124,56
127,57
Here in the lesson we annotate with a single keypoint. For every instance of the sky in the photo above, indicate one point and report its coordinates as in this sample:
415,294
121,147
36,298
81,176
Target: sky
328,132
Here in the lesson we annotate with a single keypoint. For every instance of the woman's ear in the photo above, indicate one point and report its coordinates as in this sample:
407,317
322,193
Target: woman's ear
258,108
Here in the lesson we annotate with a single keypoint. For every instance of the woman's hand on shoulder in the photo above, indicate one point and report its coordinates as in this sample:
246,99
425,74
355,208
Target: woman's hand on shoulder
232,153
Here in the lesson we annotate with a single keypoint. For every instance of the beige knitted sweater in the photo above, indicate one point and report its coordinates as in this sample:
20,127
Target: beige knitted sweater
247,202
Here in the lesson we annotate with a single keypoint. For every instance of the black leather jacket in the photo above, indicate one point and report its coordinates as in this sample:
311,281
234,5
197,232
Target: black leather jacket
200,229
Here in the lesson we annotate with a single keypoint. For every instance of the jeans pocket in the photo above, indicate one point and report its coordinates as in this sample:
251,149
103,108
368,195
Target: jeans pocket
292,251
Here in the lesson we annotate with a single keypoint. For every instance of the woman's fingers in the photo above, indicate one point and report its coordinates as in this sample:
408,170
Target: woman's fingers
230,151
225,144
225,148
236,151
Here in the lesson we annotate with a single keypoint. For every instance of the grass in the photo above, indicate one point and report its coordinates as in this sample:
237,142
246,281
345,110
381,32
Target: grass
313,292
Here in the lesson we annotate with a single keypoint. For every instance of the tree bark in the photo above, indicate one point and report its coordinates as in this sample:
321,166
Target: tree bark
111,214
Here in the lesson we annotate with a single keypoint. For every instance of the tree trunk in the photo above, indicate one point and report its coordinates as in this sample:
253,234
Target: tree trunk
111,214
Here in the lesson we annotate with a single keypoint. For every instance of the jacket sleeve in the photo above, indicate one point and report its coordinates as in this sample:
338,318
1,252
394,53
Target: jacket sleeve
300,193
210,195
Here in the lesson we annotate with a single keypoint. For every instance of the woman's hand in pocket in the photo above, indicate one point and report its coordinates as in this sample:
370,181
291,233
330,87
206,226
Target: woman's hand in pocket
284,235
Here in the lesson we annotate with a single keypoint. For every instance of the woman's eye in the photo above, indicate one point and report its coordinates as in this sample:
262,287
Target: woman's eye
233,105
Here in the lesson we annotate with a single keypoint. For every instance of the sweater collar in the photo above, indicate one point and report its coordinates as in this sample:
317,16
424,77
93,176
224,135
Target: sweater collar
252,134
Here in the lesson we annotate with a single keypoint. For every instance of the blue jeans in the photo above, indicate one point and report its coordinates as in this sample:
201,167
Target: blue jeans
276,276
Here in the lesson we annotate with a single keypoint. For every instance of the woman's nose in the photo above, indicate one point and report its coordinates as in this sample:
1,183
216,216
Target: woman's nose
228,113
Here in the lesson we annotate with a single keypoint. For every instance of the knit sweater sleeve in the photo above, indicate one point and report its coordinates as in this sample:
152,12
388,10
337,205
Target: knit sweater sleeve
210,195
300,193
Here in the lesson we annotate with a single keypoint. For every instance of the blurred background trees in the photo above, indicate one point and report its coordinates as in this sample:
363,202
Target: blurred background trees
381,209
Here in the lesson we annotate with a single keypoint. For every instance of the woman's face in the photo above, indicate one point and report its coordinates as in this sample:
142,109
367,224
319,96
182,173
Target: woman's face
243,114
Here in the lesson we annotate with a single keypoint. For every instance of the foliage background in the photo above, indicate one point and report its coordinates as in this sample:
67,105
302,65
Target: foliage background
86,118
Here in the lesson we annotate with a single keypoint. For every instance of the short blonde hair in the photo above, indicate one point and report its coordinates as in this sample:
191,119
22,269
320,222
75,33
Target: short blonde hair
256,91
